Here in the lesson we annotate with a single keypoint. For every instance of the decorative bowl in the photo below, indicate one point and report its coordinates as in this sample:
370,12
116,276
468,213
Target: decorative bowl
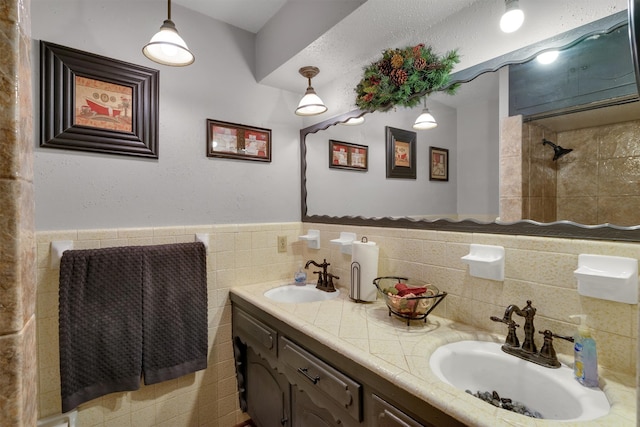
408,298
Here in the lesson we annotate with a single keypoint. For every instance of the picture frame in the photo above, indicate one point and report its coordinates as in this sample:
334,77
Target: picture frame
236,141
93,103
345,155
438,164
401,153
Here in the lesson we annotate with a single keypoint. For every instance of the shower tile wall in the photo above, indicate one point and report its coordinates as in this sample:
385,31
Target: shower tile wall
599,181
538,174
17,237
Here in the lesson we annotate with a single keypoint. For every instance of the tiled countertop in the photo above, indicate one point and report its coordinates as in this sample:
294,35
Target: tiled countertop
400,353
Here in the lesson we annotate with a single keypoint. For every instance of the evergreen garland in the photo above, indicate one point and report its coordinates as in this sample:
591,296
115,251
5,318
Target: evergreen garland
402,76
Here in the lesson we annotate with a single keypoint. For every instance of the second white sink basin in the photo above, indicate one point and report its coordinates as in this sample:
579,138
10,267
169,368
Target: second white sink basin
483,366
299,294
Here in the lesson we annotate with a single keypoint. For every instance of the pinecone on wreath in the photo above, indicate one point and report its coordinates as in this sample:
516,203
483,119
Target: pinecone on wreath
384,67
420,63
398,77
397,61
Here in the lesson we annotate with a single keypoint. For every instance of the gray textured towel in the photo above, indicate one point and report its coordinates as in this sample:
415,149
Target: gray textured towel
174,311
130,310
100,323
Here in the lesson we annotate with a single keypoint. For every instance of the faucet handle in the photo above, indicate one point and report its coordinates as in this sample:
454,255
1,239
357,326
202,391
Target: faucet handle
547,351
511,339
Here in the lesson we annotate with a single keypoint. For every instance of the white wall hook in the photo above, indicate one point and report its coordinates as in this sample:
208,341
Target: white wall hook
313,239
204,238
345,241
608,277
485,261
57,248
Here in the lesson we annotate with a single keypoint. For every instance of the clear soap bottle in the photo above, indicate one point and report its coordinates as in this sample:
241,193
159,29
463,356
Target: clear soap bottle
300,277
585,367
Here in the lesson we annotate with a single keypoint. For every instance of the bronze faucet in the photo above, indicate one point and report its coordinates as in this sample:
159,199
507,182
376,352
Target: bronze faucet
325,279
547,356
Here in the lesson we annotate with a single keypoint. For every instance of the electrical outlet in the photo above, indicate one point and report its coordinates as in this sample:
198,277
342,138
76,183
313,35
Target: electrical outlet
282,243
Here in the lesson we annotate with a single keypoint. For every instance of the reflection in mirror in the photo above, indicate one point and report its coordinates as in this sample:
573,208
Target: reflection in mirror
532,186
467,125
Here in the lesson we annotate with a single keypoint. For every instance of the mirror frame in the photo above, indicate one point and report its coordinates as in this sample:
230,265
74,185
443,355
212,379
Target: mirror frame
560,229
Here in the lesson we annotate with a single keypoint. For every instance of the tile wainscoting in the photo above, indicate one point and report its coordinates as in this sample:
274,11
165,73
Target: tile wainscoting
540,269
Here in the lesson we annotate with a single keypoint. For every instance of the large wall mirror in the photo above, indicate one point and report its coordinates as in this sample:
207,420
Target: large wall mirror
502,178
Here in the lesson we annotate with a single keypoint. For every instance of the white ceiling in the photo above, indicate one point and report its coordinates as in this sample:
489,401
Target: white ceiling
250,15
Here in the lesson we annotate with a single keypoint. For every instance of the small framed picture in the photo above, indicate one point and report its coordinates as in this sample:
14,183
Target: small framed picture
343,155
401,153
234,141
438,164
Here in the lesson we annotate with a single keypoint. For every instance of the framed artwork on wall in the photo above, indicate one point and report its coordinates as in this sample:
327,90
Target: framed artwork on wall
344,155
92,103
401,153
234,141
438,164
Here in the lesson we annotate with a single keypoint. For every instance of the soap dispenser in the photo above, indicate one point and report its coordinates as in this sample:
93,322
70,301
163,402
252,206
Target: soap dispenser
585,367
300,277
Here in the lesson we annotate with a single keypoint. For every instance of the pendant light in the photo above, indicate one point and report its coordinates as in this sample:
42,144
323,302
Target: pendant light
425,120
310,104
513,17
167,47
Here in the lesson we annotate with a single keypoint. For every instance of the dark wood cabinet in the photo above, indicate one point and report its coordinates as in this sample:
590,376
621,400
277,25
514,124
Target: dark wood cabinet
267,393
287,378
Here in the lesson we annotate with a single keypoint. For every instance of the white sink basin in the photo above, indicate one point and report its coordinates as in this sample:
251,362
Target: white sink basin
299,294
483,366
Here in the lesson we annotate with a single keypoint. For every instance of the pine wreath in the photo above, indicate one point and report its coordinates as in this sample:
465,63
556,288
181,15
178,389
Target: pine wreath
402,76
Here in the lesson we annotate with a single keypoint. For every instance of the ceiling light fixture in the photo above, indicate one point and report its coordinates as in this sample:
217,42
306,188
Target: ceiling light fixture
310,104
425,120
166,47
513,17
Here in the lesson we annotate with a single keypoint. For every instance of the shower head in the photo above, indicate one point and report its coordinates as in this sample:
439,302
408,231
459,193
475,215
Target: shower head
557,150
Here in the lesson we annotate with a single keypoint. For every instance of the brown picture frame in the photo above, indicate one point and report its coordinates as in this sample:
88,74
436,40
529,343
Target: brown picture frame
345,155
401,153
438,164
93,103
236,141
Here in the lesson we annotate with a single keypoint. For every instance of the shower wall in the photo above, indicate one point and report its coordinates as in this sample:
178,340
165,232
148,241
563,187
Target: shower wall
527,172
599,182
539,178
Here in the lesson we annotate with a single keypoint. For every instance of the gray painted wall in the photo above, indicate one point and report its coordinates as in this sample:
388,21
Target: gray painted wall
183,187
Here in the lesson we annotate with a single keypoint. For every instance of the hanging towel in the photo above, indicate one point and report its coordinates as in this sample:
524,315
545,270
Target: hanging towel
100,323
174,311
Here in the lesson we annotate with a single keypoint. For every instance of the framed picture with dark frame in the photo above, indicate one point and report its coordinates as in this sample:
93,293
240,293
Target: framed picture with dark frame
235,141
438,164
344,155
401,153
92,103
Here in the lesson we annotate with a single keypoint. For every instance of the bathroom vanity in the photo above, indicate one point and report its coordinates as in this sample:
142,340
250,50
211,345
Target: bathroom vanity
340,363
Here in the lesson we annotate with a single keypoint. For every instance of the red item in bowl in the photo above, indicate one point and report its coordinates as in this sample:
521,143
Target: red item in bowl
404,290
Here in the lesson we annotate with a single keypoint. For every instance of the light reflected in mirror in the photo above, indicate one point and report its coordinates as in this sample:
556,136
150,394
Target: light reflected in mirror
588,186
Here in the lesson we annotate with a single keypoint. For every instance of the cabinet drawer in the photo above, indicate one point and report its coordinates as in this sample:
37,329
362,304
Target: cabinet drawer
384,414
324,384
254,333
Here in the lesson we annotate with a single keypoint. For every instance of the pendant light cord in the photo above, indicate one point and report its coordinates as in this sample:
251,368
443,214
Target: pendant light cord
169,10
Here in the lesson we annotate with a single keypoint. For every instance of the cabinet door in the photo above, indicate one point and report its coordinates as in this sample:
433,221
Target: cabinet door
305,413
267,393
386,415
